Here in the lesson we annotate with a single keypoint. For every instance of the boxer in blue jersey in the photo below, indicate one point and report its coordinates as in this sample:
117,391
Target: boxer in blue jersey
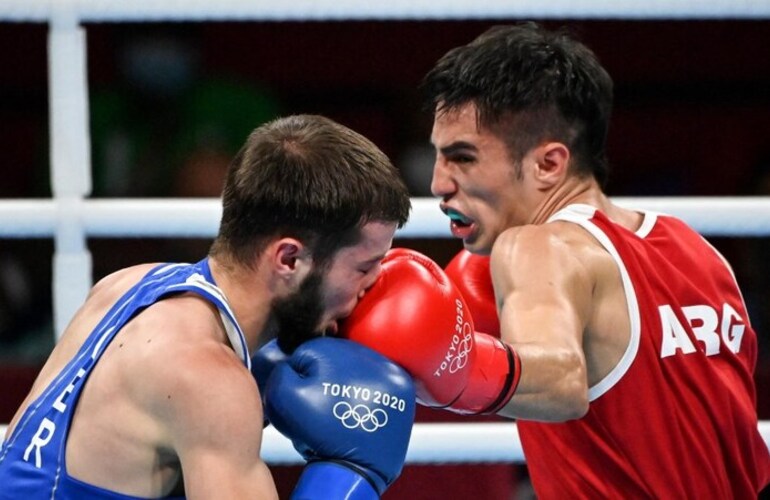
149,393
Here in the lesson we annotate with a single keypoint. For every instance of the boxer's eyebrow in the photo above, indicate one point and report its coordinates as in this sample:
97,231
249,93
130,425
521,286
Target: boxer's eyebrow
369,264
456,147
375,260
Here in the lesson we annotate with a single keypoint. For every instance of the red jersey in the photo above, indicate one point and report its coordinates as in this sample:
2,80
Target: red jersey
676,418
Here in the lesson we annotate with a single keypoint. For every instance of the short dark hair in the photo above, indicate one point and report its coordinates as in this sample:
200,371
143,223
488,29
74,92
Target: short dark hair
308,177
530,85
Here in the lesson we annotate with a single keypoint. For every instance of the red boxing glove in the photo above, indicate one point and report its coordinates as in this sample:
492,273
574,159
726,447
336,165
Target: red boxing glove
417,317
470,273
493,378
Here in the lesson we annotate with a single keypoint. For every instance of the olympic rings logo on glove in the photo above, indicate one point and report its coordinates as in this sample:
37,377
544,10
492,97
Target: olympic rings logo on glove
464,348
456,357
361,416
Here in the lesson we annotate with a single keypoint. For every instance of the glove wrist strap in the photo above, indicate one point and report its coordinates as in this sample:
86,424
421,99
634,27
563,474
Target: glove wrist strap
323,480
494,377
511,381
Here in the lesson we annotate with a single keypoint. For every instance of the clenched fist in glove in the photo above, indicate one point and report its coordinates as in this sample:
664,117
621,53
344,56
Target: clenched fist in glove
349,411
417,317
470,273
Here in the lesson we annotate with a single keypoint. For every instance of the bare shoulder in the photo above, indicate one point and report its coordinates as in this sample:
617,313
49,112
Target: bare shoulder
102,296
198,382
205,385
172,365
558,236
557,246
558,262
111,287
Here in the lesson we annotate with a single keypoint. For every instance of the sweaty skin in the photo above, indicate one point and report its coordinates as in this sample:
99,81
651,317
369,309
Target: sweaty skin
170,394
158,395
571,325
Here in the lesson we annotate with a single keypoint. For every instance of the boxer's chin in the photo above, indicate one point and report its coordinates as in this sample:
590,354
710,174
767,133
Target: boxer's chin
331,330
299,314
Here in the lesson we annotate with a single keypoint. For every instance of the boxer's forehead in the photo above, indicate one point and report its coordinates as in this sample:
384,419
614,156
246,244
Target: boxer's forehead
376,240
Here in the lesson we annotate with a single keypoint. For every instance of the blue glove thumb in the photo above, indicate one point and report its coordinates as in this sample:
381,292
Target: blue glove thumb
262,364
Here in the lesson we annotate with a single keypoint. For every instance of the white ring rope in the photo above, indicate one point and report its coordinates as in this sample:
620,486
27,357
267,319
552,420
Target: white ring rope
436,444
430,443
69,218
270,10
199,217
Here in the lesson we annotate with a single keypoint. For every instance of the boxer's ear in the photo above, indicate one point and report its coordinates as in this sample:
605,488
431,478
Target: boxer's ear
290,260
548,163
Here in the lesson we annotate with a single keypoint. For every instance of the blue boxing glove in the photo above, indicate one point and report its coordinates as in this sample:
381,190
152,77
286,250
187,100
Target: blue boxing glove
262,363
349,411
264,360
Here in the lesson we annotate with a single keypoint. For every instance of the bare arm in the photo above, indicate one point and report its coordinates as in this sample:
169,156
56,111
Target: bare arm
214,417
543,291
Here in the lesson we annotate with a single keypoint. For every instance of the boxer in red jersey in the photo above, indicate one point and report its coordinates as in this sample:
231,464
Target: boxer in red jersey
630,351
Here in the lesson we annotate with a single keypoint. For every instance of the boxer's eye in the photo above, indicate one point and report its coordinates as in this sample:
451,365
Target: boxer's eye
370,265
460,158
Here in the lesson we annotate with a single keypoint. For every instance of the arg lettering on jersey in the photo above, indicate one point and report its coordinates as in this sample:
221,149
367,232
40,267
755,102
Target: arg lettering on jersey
711,328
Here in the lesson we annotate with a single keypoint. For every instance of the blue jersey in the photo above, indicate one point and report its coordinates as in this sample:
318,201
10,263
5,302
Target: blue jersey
32,458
